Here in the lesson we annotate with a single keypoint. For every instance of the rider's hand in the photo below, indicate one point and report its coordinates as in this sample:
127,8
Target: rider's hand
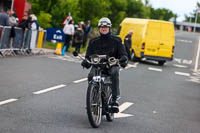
85,64
123,61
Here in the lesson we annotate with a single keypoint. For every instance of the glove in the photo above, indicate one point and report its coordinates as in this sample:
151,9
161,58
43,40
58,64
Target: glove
123,61
85,64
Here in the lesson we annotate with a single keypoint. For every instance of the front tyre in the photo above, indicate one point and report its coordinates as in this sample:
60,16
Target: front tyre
110,116
94,105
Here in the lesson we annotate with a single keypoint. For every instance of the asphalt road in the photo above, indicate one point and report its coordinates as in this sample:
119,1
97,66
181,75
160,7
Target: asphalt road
46,94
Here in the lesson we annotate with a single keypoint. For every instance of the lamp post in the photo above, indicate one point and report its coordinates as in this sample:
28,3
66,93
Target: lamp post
197,12
12,5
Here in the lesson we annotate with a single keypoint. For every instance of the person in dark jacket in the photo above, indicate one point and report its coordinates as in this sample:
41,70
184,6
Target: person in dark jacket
86,29
25,23
107,44
128,42
4,18
78,38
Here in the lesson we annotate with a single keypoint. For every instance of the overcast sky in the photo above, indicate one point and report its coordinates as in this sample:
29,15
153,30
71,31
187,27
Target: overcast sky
179,7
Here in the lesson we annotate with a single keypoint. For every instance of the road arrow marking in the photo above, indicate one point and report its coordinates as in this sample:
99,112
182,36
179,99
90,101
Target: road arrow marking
123,107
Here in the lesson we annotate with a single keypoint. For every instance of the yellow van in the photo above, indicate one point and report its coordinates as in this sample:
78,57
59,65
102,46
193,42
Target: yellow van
151,39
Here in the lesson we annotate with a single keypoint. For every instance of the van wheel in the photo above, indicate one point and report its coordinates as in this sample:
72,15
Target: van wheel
133,57
161,63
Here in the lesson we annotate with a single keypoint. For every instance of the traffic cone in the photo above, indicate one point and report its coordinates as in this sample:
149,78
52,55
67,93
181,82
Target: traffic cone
58,48
63,51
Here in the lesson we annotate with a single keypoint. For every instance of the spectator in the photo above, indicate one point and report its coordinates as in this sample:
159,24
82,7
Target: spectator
25,23
34,23
86,29
69,32
4,18
78,38
12,19
128,42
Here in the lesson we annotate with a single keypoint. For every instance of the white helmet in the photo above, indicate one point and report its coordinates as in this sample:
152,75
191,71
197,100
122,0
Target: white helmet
104,22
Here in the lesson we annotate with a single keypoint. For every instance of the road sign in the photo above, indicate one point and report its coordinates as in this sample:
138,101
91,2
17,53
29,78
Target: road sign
67,19
55,34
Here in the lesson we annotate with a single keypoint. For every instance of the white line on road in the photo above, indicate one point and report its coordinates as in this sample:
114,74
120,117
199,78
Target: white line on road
81,80
8,101
183,74
155,69
49,89
123,107
186,41
184,61
197,57
180,66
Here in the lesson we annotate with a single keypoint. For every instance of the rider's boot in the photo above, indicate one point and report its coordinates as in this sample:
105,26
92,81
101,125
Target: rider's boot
115,105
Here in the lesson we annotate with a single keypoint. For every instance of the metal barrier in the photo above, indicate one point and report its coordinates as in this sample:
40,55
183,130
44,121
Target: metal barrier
20,42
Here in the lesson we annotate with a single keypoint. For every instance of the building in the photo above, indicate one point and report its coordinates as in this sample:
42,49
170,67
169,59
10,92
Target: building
187,26
20,6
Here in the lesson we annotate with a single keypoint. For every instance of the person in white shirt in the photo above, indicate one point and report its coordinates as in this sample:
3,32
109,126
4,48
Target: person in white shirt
69,32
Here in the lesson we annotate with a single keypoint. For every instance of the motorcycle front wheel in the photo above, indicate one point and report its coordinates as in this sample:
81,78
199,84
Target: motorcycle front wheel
94,105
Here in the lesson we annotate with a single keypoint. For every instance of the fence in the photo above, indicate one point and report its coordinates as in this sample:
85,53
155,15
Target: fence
16,41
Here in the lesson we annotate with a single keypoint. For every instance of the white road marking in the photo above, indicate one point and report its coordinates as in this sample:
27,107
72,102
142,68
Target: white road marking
197,57
183,74
154,112
123,107
186,41
155,69
66,58
8,101
194,80
187,62
49,89
132,65
177,60
81,80
180,66
184,61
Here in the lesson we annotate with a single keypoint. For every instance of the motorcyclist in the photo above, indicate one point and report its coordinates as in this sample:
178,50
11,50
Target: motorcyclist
107,44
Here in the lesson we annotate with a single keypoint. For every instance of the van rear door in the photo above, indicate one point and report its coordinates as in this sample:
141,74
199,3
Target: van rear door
152,38
166,40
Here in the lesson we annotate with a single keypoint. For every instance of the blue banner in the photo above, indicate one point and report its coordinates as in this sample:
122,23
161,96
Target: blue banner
55,34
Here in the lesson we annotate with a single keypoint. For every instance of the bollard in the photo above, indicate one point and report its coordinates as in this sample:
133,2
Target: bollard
63,51
58,48
40,39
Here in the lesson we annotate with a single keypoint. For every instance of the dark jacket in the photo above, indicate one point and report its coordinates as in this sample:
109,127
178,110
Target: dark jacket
106,45
4,19
127,41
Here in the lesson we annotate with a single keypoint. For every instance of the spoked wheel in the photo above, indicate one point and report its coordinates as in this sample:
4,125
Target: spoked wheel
94,105
110,116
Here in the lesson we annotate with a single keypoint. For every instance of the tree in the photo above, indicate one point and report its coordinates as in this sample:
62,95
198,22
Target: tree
94,10
135,9
161,14
44,19
117,11
192,16
62,8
